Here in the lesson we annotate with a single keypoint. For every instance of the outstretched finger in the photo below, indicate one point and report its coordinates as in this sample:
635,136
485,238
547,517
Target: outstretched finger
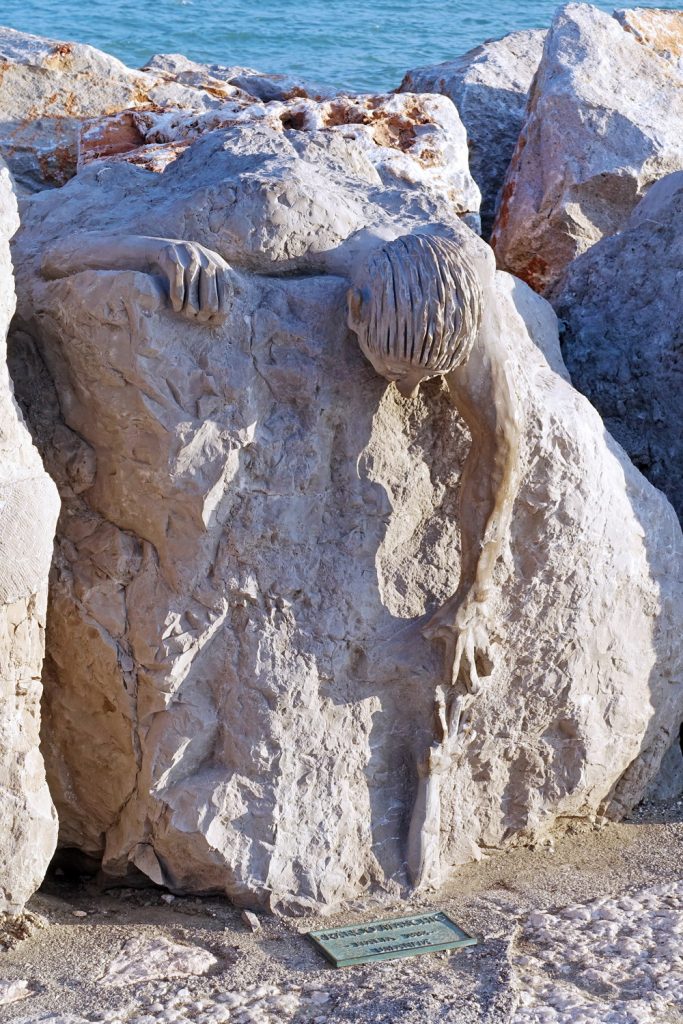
472,674
440,712
457,659
208,294
224,287
192,275
174,269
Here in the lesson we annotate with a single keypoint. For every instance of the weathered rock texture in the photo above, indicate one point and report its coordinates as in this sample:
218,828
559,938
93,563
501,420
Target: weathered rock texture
215,77
660,30
49,87
604,123
489,86
668,783
256,525
419,140
622,307
28,514
64,105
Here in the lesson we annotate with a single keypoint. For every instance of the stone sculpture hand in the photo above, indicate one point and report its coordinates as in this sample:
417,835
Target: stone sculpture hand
199,281
465,625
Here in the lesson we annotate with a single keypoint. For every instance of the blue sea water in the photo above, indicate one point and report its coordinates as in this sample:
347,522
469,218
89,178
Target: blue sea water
355,44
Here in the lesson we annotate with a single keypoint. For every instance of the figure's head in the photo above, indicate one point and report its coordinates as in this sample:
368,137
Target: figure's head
418,311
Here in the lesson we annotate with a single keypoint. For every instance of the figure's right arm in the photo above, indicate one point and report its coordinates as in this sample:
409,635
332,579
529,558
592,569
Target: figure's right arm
484,391
199,282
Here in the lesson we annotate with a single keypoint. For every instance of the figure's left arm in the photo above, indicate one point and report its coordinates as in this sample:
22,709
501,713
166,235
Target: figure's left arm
483,391
198,281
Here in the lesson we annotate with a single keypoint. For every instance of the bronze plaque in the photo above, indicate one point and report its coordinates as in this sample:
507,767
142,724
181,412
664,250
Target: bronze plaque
390,939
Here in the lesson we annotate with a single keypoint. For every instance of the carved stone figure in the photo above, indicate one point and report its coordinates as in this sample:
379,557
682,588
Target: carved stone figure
261,538
427,309
417,311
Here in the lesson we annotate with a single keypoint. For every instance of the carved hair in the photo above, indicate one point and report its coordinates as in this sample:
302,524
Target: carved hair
420,306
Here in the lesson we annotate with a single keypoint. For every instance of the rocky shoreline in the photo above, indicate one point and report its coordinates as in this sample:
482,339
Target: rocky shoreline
275,498
574,903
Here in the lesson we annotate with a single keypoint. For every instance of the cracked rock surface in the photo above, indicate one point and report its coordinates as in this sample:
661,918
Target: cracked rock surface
622,333
602,124
489,85
255,527
28,514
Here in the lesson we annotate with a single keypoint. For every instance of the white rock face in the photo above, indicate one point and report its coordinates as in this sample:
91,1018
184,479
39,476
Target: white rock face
158,958
419,140
616,959
256,527
622,307
603,124
50,86
28,514
489,86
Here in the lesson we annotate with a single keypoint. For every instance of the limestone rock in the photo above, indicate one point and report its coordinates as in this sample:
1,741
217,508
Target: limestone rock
604,123
622,308
407,138
660,30
252,921
159,958
49,87
14,991
668,783
256,527
64,105
214,77
28,513
489,86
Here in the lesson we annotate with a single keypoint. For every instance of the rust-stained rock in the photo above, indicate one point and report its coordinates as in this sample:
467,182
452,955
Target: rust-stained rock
222,80
603,123
489,86
47,88
418,139
661,31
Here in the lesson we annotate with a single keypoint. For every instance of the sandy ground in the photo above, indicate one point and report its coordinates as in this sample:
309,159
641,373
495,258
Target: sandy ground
588,928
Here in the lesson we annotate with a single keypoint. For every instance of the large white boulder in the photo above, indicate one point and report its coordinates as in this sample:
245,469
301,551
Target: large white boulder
622,308
28,512
603,123
489,86
257,526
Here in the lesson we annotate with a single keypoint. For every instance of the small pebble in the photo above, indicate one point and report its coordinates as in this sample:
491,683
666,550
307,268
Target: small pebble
251,920
320,997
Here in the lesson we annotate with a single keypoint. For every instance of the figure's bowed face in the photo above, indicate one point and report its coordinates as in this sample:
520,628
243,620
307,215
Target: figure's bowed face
418,311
